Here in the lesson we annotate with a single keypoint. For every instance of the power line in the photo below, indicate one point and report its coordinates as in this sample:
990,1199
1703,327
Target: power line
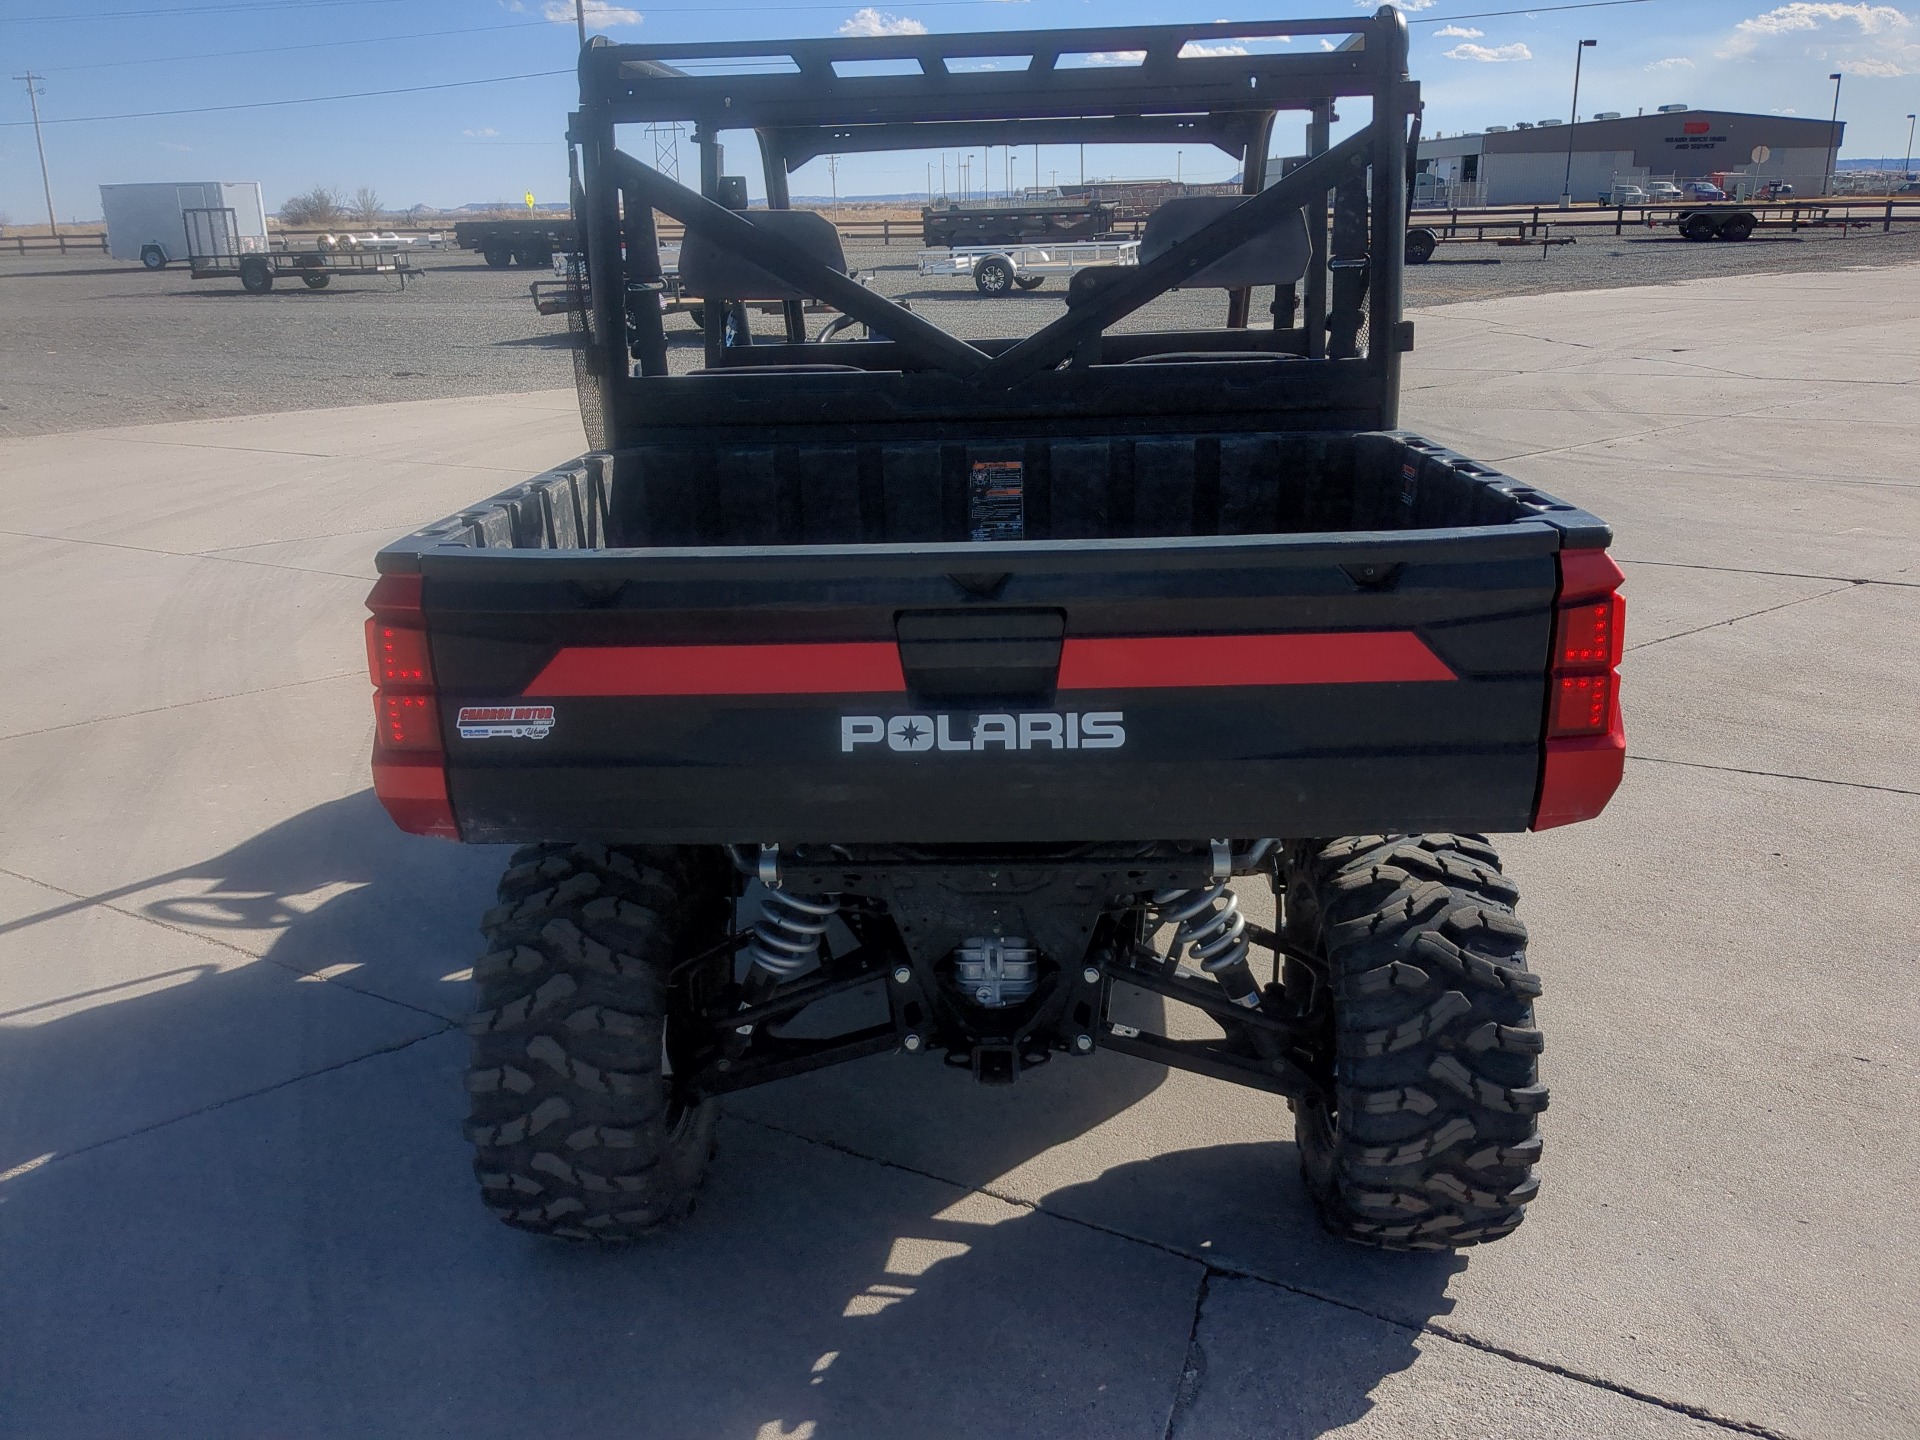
301,100
1531,10
310,45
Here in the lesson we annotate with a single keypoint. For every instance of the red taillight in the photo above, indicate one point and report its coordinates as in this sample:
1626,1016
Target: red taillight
397,655
409,763
1586,742
407,722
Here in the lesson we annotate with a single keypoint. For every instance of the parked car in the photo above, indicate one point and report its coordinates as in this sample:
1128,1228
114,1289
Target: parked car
1626,195
1776,190
1662,192
1703,190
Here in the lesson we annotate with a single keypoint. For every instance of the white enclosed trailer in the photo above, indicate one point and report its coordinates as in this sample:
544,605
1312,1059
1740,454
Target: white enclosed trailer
145,222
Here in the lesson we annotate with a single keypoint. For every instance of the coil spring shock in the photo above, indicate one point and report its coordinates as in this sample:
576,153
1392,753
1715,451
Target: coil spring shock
1209,927
788,934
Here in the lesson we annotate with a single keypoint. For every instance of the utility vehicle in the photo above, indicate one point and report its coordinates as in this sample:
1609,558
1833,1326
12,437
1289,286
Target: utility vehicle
971,680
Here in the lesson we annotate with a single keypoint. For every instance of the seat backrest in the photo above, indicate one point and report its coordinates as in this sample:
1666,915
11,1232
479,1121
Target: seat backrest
712,273
1277,256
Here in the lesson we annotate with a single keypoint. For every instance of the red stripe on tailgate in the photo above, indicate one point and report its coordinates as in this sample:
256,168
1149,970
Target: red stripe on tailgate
864,667
1156,662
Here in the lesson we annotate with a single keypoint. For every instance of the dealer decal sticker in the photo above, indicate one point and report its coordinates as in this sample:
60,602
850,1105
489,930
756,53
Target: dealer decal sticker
505,722
1043,730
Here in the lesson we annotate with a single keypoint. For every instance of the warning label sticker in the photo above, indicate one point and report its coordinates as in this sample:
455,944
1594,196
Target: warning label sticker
997,500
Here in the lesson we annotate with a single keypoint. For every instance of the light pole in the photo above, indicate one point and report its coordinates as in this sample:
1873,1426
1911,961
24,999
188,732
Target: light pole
1573,121
46,185
1833,136
1906,165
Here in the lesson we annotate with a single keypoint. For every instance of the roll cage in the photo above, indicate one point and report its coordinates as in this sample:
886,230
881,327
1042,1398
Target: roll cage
808,98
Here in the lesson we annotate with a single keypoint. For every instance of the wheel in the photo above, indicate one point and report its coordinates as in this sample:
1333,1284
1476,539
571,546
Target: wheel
153,257
1738,227
498,256
993,276
1427,1006
1420,246
316,279
534,257
1700,227
697,314
256,276
1029,282
577,1127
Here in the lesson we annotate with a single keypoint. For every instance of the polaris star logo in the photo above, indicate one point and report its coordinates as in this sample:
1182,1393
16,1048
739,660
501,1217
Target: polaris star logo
1034,730
505,722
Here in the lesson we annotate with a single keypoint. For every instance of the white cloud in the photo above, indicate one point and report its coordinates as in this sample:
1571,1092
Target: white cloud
598,12
1116,57
1459,32
1197,49
178,149
869,21
1882,29
1783,112
1404,4
1496,55
480,134
1672,62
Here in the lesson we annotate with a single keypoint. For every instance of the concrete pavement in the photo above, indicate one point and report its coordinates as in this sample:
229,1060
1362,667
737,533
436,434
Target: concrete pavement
232,1190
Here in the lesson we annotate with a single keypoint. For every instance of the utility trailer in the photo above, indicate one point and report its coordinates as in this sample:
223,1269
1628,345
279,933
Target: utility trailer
998,269
912,695
532,242
215,250
959,226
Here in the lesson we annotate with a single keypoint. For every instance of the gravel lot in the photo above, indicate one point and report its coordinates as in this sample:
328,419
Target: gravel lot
92,342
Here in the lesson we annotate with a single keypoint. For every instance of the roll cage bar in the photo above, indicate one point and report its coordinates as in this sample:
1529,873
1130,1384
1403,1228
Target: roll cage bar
807,98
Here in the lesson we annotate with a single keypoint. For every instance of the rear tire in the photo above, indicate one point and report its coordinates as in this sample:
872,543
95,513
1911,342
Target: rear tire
316,279
1740,227
1029,282
578,1128
153,257
1421,243
534,257
1700,227
498,256
1423,981
256,276
993,276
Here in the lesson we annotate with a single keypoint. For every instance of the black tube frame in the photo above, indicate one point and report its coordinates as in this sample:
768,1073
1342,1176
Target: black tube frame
793,95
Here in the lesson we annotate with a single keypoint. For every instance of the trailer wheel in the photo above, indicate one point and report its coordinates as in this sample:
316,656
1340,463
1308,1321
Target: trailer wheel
1700,227
153,257
1421,244
1029,282
316,279
993,276
1738,227
577,1125
256,276
534,256
1427,1002
498,256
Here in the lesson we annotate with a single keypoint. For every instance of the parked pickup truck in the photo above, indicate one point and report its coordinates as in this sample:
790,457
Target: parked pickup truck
940,688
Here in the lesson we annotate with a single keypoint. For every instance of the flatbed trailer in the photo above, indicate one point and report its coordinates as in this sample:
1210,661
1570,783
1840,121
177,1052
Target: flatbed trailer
998,269
215,251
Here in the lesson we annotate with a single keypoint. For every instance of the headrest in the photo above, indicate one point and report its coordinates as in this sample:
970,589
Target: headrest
710,272
1277,256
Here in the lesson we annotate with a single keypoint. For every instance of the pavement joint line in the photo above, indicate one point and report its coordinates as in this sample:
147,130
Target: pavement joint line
1193,1361
91,903
394,1049
1773,774
1781,574
188,554
179,705
1750,615
1212,1267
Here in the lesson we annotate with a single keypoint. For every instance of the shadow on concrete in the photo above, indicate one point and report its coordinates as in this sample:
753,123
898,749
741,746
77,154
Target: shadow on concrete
252,1213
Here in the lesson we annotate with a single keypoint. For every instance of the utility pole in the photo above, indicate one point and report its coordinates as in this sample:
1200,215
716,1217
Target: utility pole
1833,136
46,185
1573,121
580,19
833,172
1906,165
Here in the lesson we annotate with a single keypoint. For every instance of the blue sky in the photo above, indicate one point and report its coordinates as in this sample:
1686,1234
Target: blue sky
478,142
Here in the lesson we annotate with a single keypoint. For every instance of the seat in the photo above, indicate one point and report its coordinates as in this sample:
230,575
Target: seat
1277,256
714,273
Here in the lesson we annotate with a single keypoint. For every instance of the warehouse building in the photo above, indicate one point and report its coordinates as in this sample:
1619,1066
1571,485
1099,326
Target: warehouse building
1526,164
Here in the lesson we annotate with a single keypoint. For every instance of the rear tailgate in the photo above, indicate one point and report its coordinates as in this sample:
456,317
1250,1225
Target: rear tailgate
1062,691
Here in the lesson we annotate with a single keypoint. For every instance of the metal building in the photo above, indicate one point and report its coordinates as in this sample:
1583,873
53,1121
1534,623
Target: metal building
1526,164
